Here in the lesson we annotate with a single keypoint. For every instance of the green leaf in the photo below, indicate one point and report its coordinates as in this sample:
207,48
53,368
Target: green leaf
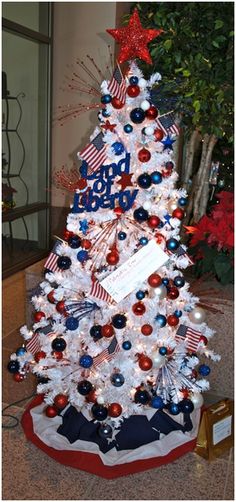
196,105
186,73
231,33
218,24
215,44
167,44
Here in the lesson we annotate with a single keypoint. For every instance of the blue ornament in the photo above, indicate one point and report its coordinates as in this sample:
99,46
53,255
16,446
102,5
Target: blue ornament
186,406
82,255
204,370
141,396
172,244
117,379
63,262
182,201
84,387
99,412
157,402
13,366
156,177
178,313
83,226
174,408
128,128
119,321
140,295
165,281
161,320
179,281
144,180
137,115
86,361
121,236
105,113
21,351
126,345
74,242
118,148
59,344
106,99
140,214
105,431
72,323
133,80
143,241
168,142
163,351
96,332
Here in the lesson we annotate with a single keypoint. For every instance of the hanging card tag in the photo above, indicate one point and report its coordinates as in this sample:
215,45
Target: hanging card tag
136,269
222,430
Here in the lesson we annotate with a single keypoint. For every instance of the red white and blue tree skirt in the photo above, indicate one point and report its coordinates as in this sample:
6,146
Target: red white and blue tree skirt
120,457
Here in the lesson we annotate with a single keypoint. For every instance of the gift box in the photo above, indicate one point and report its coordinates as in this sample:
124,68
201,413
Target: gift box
216,434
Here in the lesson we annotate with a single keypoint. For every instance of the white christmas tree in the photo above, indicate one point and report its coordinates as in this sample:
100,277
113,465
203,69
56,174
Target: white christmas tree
117,332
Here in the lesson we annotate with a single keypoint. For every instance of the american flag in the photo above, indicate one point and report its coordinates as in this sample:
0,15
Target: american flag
51,262
99,292
167,124
33,345
117,86
180,251
191,336
94,153
108,353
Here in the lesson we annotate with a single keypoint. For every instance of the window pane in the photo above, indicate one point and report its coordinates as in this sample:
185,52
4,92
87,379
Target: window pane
33,15
24,142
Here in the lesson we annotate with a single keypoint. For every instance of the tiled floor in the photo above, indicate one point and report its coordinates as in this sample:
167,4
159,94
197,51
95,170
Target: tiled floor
29,474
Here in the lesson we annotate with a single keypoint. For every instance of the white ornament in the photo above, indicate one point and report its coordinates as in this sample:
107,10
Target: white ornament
142,83
197,315
100,400
147,205
158,360
197,400
145,105
172,205
149,131
161,292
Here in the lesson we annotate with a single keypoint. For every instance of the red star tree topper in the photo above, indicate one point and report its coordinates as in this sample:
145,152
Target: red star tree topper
134,39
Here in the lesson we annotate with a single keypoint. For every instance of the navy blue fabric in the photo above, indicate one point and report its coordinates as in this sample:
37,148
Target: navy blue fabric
135,431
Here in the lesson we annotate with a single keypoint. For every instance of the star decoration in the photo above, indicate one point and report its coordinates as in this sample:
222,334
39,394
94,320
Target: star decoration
168,142
134,39
125,180
83,226
167,217
81,185
108,127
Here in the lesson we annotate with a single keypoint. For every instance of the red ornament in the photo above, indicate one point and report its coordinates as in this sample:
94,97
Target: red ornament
117,103
194,374
133,91
185,393
57,355
60,307
203,339
51,411
118,211
166,173
153,221
114,410
170,351
151,113
107,330
91,397
172,293
39,355
67,234
86,244
51,297
145,363
38,316
146,329
112,258
139,308
159,238
144,155
60,401
154,280
158,133
172,320
18,377
134,39
178,213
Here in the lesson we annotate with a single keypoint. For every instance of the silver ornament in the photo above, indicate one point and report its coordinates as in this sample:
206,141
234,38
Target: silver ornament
105,431
158,360
172,205
197,315
160,292
197,400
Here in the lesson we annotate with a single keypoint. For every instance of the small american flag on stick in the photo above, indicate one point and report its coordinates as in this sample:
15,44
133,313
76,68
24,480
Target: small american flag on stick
33,345
167,124
191,336
107,354
51,262
94,153
117,86
99,292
